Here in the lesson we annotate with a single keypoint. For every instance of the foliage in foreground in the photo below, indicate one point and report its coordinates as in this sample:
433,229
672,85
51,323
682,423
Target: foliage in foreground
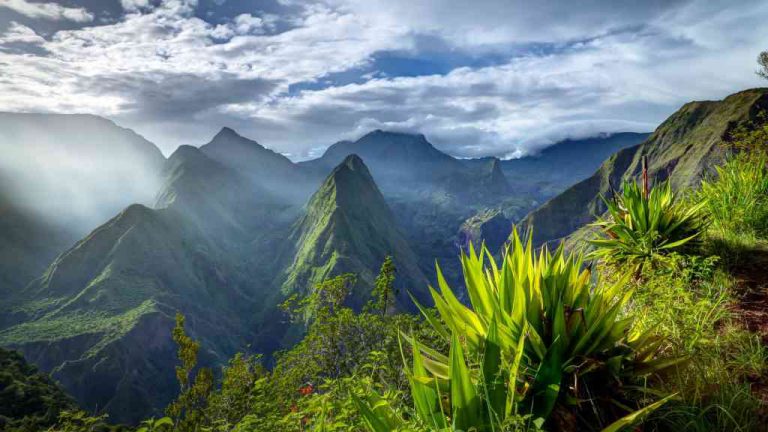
541,342
645,227
29,400
737,200
476,368
689,303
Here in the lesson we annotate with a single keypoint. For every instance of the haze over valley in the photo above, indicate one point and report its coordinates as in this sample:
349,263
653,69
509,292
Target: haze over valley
272,215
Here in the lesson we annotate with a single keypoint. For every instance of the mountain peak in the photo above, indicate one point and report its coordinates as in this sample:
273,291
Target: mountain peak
348,227
354,162
227,132
185,154
351,175
387,150
380,133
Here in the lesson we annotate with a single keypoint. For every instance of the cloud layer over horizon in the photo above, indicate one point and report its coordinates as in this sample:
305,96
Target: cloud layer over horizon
490,77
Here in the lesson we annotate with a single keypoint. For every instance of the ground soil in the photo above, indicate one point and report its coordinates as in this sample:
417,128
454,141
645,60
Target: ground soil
752,308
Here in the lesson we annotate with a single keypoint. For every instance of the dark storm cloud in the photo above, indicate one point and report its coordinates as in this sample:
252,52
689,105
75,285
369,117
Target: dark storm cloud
164,97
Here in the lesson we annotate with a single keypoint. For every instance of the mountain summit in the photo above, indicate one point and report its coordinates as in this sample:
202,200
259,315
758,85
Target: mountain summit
263,167
348,227
391,155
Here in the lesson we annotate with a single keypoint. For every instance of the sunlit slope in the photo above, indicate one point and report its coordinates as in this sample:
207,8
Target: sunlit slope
348,227
682,149
100,317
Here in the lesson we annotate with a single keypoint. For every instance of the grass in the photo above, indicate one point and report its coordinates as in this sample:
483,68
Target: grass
693,303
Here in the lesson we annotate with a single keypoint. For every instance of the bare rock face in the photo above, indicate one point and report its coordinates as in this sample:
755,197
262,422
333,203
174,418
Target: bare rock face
489,227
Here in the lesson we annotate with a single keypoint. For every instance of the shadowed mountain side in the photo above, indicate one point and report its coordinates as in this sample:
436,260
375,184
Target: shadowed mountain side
27,245
60,176
682,149
405,164
567,162
348,227
100,317
263,167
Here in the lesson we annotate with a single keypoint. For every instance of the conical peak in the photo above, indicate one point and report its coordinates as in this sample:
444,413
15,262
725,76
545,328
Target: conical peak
226,132
354,162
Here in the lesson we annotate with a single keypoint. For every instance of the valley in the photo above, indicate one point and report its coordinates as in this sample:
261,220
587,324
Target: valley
232,230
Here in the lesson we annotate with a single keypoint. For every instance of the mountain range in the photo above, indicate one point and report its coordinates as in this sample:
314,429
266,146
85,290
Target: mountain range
683,149
223,233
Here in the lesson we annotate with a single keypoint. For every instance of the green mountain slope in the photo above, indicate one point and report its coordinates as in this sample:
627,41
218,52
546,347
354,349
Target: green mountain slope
430,193
682,150
348,227
60,176
100,317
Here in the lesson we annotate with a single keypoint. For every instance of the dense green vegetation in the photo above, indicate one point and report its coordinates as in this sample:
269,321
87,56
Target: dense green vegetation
29,400
655,327
543,343
541,339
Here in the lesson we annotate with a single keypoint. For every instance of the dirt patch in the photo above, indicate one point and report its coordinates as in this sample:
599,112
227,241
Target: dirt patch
752,308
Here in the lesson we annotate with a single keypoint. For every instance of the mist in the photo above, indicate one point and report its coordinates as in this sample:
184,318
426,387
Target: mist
75,171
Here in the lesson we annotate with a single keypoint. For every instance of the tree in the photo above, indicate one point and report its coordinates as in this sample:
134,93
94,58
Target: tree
762,60
325,299
383,292
187,411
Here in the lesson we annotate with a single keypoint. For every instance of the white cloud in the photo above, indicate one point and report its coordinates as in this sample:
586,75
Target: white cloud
622,82
50,11
135,5
175,77
18,33
485,22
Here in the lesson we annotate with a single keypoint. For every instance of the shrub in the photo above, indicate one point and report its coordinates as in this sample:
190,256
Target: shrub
541,340
642,228
737,197
690,305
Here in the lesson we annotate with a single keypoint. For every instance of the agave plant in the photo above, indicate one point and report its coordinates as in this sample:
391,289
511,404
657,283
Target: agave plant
539,333
643,227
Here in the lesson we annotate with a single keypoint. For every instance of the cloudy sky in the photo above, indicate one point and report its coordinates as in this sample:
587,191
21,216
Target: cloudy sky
480,77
